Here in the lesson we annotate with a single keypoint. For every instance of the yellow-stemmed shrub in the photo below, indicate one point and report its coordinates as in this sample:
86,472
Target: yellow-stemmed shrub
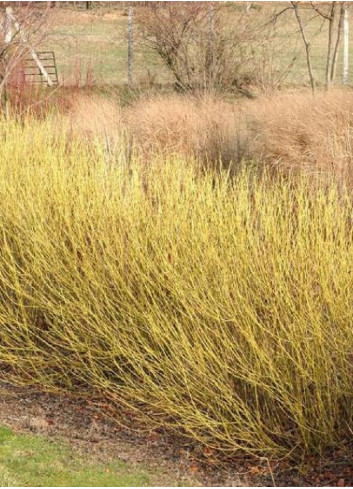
220,307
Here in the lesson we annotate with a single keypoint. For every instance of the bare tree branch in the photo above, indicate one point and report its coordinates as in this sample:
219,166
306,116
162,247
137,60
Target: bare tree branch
326,16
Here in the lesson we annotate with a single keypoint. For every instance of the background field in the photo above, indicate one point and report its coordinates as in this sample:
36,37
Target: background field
98,39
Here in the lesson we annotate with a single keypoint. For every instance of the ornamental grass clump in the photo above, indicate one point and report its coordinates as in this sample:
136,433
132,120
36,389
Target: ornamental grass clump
219,307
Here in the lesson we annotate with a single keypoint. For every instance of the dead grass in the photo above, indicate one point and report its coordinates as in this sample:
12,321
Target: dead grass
205,127
94,116
298,132
291,131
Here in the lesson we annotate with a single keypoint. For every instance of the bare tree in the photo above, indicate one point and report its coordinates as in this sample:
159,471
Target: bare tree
198,43
167,29
201,47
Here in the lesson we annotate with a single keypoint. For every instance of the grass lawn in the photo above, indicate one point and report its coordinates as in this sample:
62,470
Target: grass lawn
33,460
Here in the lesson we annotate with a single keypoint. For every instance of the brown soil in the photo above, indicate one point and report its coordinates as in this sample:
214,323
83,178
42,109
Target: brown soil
81,423
85,425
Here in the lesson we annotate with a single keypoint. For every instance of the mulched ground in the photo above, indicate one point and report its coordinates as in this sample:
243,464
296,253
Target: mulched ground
82,423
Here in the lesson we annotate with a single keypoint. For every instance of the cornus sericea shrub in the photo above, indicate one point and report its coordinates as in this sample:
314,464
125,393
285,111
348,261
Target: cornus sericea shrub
217,306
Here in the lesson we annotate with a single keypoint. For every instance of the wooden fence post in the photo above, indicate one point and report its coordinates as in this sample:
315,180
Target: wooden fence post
345,45
130,52
8,25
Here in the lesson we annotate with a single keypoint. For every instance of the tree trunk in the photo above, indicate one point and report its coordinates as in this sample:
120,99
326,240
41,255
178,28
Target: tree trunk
338,42
307,47
331,20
